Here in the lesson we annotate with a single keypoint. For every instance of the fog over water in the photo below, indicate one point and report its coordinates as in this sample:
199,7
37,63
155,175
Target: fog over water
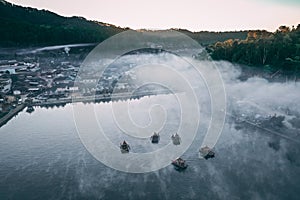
257,156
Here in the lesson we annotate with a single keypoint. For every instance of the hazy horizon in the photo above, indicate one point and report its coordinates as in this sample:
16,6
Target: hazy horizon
232,15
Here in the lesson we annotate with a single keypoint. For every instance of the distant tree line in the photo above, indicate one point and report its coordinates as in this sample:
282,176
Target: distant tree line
206,37
261,48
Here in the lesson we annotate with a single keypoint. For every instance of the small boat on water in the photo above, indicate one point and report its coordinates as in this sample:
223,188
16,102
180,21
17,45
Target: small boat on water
179,164
30,109
206,152
176,139
124,147
155,138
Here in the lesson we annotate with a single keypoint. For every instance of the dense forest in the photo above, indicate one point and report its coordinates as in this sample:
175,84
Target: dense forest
22,26
261,48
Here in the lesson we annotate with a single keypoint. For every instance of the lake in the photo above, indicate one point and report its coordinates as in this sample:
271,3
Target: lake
42,156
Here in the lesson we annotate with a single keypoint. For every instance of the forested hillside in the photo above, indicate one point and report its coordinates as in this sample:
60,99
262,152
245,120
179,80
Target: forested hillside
261,48
22,26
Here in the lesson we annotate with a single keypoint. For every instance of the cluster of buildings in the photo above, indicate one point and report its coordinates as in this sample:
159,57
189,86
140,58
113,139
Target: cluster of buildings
38,81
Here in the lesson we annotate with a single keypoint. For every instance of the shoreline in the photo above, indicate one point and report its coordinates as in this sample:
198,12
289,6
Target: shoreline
90,99
116,97
11,114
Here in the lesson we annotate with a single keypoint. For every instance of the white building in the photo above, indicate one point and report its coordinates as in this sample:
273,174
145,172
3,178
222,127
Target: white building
17,92
5,85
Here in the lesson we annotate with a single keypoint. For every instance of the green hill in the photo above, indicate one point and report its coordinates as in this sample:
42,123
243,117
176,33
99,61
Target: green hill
22,26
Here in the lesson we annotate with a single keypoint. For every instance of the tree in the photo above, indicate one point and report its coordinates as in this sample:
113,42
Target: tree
280,49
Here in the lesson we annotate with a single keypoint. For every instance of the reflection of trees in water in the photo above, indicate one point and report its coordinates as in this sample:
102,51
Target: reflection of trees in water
61,105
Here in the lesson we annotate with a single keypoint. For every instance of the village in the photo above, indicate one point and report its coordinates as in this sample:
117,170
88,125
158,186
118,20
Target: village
48,78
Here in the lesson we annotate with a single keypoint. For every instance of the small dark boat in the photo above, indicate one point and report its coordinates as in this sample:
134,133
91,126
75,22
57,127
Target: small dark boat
179,164
176,139
206,152
124,147
29,109
155,138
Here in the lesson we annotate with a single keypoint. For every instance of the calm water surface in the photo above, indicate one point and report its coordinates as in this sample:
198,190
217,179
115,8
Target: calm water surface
42,157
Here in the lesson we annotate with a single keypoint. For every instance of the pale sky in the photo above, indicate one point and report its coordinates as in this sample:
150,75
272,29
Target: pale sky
194,15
